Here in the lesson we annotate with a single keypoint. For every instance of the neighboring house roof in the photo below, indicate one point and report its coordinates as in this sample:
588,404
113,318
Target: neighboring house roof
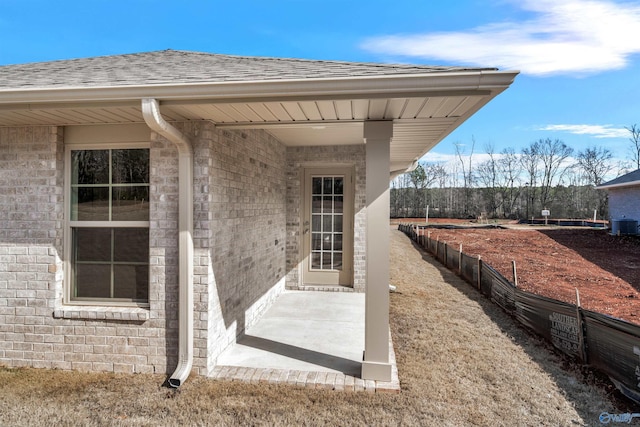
628,180
301,102
174,66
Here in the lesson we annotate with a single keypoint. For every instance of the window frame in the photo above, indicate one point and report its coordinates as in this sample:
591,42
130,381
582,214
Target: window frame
68,287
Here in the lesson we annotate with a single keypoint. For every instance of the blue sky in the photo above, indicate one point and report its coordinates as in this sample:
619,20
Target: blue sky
579,60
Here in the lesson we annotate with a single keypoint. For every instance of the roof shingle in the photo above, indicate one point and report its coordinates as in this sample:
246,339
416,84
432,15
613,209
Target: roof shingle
177,67
632,178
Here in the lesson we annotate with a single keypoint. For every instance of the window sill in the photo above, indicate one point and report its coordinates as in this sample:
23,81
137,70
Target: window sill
92,312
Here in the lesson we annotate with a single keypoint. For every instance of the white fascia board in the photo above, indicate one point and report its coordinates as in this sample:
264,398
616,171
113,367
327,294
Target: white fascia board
622,184
388,86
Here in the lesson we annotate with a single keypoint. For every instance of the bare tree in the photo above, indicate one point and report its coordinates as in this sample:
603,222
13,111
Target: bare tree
487,175
417,177
553,154
510,169
634,130
467,173
595,163
530,159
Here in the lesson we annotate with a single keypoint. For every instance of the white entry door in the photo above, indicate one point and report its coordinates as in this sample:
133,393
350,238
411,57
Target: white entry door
328,227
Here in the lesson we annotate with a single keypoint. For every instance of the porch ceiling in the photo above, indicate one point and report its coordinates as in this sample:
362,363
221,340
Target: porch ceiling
419,122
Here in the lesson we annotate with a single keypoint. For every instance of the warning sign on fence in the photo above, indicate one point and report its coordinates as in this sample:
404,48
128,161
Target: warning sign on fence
565,332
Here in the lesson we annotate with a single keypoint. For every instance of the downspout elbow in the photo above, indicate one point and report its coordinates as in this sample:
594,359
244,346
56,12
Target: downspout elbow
411,168
155,121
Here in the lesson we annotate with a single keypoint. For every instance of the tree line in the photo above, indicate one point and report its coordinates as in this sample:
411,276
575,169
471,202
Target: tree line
546,174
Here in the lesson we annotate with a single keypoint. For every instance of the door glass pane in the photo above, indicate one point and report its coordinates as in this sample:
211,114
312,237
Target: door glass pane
316,241
326,223
327,204
130,204
316,204
337,223
326,241
338,204
338,185
316,223
316,260
337,260
327,185
316,186
337,242
326,260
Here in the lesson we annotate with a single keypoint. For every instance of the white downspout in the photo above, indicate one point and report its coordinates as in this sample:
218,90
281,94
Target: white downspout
151,114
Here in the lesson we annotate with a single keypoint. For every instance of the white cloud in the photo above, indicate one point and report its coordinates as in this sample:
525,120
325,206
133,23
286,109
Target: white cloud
597,131
565,37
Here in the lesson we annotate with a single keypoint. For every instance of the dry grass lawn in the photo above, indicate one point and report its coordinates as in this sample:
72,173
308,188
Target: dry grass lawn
461,362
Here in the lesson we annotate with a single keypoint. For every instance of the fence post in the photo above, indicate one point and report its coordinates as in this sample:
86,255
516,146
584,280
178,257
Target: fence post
460,261
445,254
515,274
480,273
437,244
581,337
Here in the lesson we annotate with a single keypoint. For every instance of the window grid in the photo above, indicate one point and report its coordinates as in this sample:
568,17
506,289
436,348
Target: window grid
327,196
110,219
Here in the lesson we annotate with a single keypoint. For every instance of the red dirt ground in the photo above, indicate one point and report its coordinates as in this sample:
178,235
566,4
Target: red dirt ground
554,261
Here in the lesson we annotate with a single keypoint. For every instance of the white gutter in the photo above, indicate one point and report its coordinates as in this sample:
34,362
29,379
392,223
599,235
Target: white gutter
153,118
405,85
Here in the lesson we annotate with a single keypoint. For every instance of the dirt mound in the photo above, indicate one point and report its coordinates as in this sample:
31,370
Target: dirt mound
554,262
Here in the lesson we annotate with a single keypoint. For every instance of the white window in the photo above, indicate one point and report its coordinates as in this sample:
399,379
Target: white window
108,225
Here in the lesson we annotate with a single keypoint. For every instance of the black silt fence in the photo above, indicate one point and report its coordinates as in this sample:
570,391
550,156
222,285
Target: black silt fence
608,344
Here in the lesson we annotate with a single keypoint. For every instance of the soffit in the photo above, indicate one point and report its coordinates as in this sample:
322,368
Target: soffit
419,122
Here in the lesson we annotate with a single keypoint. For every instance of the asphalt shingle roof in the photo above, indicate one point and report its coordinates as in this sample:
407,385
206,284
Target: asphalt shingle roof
176,67
632,178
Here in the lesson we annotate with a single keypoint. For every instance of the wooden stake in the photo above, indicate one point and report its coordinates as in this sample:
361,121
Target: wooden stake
445,254
479,273
515,274
460,260
583,353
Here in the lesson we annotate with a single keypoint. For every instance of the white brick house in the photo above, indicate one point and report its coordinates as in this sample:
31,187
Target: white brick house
153,205
623,196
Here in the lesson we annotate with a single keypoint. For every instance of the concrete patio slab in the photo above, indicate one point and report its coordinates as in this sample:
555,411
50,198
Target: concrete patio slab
313,339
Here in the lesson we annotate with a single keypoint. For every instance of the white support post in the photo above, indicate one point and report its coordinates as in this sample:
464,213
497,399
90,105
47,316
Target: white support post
376,365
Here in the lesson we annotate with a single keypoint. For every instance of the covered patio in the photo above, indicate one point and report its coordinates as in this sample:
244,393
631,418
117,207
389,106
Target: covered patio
310,339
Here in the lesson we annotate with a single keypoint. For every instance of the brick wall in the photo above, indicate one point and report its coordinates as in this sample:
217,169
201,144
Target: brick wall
624,203
297,158
31,231
241,245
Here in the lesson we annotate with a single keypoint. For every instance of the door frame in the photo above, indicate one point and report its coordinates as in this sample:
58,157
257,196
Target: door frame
311,277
